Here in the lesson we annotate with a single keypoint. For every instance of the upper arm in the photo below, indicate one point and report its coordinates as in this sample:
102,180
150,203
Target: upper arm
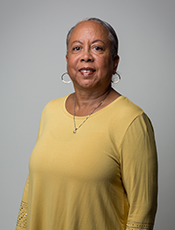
139,171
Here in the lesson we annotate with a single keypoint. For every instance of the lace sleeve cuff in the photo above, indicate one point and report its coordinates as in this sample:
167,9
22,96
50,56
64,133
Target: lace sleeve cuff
138,226
22,216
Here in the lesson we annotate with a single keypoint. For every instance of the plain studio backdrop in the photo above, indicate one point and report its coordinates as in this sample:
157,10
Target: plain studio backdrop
32,59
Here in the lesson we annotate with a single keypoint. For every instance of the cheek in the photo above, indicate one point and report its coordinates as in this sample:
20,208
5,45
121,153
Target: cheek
72,62
72,68
106,65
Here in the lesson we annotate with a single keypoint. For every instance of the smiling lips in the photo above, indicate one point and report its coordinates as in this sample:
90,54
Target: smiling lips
86,71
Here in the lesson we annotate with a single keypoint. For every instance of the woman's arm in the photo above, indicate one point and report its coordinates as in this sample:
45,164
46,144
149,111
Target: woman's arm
22,216
139,173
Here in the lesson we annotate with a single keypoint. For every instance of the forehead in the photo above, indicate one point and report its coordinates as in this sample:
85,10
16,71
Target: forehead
89,29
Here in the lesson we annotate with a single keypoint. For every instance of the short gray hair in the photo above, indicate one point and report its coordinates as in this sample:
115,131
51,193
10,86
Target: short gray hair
112,35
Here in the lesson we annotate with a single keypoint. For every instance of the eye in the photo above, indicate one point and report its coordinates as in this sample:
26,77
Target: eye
98,48
76,48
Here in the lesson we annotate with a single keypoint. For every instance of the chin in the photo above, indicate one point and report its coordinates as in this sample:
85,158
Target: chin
86,84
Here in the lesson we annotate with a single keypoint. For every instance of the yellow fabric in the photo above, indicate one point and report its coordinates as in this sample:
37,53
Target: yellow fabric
104,177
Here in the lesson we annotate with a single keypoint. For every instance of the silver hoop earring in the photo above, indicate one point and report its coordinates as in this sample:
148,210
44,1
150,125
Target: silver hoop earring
114,80
65,82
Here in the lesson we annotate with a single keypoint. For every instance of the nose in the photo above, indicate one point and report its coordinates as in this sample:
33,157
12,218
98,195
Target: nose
87,56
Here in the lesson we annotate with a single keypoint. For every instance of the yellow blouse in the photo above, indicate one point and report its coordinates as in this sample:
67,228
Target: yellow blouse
104,177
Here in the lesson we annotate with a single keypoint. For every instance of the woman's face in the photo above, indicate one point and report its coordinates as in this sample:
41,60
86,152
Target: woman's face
89,61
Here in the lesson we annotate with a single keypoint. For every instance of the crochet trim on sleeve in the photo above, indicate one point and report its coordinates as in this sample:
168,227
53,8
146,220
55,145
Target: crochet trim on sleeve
22,216
138,226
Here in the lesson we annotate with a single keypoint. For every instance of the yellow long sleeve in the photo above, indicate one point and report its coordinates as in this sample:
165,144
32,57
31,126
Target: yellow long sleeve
139,173
103,177
22,216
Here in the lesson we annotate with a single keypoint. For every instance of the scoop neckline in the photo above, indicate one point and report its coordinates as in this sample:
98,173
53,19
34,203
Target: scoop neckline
95,113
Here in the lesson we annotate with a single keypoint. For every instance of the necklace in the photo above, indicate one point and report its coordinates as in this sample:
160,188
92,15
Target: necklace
76,128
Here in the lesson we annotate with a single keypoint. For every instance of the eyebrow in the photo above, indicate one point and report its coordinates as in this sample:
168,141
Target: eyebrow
77,41
97,40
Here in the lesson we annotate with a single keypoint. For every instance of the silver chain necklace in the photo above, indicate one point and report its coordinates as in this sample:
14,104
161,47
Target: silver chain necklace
76,128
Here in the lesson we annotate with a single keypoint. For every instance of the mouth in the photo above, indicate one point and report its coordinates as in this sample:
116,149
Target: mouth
87,71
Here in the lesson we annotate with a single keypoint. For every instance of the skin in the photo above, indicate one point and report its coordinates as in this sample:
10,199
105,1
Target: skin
90,66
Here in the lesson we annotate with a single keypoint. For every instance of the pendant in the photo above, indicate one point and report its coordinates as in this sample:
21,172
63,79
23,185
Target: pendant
74,131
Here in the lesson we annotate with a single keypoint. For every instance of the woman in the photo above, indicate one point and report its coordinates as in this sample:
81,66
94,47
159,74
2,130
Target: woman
94,165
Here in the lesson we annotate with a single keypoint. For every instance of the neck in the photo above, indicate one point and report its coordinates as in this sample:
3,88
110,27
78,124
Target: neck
90,98
93,104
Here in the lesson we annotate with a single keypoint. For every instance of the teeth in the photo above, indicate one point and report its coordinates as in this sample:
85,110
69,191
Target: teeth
86,71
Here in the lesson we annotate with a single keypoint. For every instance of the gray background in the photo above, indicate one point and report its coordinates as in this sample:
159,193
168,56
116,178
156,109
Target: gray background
32,59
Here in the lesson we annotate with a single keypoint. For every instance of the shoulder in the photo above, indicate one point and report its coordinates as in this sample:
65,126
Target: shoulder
124,114
128,108
135,120
132,125
134,114
125,110
54,105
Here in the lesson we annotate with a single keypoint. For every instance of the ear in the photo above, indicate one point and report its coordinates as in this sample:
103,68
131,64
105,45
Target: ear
116,59
66,57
